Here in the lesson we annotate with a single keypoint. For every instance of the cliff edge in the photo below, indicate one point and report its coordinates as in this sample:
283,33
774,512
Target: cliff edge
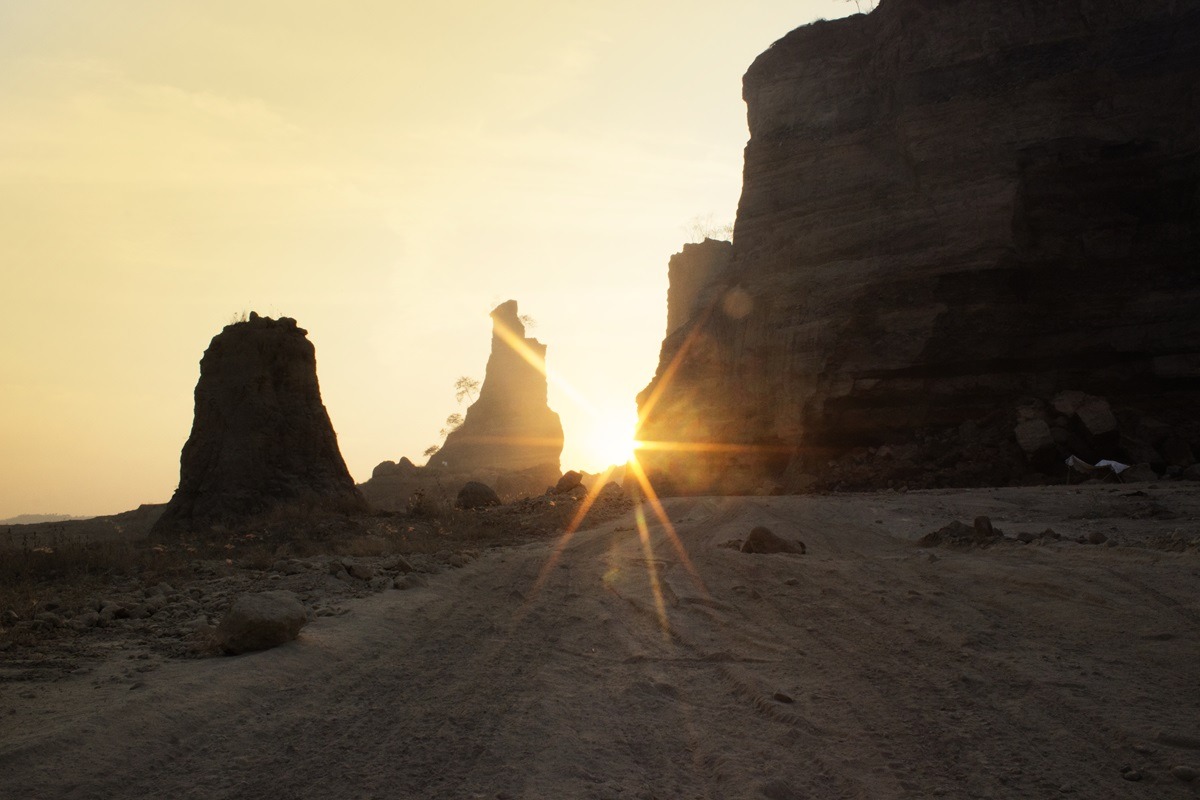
952,213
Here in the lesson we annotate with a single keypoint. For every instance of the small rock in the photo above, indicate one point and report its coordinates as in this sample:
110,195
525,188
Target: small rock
140,611
380,584
1185,773
397,564
363,572
50,618
1131,775
287,567
1096,537
9,618
88,619
1179,740
410,581
763,540
783,698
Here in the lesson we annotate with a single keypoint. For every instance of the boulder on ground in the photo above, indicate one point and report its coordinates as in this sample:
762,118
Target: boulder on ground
260,621
476,495
1139,473
567,482
763,540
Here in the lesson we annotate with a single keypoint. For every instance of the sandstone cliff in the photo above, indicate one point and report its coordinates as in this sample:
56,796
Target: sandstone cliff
951,213
510,427
261,437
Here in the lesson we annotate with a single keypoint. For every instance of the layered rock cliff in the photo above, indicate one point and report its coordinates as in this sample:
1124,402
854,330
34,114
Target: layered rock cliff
261,437
951,213
510,427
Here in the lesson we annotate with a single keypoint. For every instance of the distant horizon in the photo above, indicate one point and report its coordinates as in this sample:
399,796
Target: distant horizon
382,175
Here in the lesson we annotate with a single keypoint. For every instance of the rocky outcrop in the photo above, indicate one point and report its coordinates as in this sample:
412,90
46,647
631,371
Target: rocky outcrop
510,427
261,437
949,208
691,276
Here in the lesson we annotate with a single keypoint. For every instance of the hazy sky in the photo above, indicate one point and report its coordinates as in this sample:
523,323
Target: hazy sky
383,171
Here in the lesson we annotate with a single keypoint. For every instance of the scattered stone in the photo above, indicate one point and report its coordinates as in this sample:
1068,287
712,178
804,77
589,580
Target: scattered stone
1096,537
88,619
1185,773
397,564
1034,437
9,618
763,541
476,495
1179,740
783,698
1096,416
50,618
260,621
1130,774
409,581
959,534
360,571
567,482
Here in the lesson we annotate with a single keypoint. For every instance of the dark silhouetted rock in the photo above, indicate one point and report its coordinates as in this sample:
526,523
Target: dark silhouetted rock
401,468
1139,473
947,207
260,621
763,540
568,481
690,273
958,534
509,427
477,495
261,437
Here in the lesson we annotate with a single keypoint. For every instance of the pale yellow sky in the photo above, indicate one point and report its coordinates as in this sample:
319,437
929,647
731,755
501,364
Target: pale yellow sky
384,172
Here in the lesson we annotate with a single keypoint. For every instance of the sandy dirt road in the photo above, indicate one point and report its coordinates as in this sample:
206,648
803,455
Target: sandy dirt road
626,667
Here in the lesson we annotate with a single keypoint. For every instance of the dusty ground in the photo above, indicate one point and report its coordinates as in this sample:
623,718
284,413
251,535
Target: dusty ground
622,668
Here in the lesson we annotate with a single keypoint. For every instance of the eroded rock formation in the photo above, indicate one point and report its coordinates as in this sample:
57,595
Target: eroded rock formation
690,279
949,208
261,437
510,427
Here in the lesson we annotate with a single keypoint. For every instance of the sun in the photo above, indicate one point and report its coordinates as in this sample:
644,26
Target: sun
610,441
